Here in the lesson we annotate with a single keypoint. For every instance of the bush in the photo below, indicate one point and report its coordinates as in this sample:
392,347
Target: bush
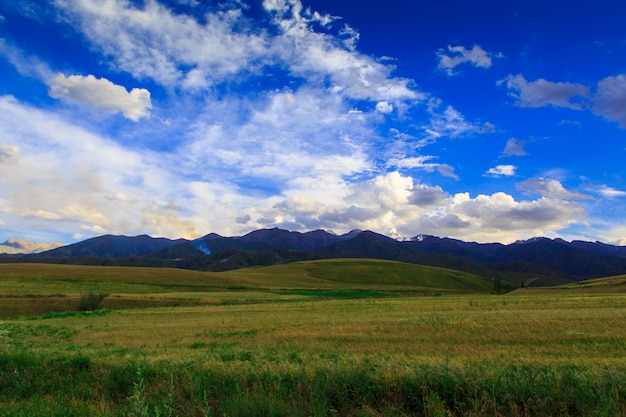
90,301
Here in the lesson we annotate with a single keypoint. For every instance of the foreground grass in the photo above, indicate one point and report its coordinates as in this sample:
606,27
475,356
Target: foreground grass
454,355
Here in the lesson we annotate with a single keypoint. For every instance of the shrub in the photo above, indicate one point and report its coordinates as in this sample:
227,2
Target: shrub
90,301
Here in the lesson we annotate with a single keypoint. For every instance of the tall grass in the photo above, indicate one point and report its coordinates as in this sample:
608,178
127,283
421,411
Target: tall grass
76,386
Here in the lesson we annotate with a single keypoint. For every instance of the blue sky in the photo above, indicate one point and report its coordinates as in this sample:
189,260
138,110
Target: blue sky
486,121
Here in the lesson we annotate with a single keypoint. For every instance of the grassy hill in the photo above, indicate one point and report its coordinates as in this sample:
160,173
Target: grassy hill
608,285
359,274
32,289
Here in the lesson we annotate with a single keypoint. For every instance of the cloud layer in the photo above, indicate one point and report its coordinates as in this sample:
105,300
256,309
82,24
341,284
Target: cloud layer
231,117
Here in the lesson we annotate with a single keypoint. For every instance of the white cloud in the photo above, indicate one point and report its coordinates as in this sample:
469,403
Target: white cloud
609,100
173,49
608,192
501,171
396,204
101,93
384,107
514,147
549,188
66,175
457,55
541,92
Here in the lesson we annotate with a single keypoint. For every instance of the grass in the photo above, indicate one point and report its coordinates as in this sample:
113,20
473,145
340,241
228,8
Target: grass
342,348
33,289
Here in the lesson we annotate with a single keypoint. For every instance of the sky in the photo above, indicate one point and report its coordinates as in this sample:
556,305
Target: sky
486,121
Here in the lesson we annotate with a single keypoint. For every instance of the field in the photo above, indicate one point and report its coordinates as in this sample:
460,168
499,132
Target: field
344,338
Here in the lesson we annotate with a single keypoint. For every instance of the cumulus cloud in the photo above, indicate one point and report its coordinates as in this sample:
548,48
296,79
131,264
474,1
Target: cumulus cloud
101,93
549,188
501,171
541,92
501,212
457,55
609,100
384,107
397,205
514,147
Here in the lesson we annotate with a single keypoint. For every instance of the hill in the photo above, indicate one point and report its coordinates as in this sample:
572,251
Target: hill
36,289
323,274
614,285
362,274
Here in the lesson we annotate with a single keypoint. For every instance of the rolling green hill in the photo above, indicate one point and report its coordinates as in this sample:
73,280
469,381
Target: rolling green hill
32,289
608,285
322,274
359,274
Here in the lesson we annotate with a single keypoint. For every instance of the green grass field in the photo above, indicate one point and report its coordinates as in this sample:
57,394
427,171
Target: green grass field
331,338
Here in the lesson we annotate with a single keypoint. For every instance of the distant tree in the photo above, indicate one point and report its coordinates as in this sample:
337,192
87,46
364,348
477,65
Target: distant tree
90,301
497,284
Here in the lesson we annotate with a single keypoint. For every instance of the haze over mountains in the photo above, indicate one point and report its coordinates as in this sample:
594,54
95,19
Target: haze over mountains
538,261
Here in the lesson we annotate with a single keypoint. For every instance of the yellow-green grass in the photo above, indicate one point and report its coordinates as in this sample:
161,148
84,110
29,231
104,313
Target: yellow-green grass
32,289
516,329
392,341
463,353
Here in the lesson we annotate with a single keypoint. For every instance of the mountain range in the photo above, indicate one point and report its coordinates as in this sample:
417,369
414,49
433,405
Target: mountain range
534,262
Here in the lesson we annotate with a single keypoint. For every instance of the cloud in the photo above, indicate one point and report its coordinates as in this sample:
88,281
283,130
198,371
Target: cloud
175,50
9,154
609,100
447,171
397,205
541,92
28,66
308,148
446,121
457,55
384,107
101,93
514,147
501,171
549,188
607,192
500,213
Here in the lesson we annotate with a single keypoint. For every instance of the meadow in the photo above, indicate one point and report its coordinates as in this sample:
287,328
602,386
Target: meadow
325,338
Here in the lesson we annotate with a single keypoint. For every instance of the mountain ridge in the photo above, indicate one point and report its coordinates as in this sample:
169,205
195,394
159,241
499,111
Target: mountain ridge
534,260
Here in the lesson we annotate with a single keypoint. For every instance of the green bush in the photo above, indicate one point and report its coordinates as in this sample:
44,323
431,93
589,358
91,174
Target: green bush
90,301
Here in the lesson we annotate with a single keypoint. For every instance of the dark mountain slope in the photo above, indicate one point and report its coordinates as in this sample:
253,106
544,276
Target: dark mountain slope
109,246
